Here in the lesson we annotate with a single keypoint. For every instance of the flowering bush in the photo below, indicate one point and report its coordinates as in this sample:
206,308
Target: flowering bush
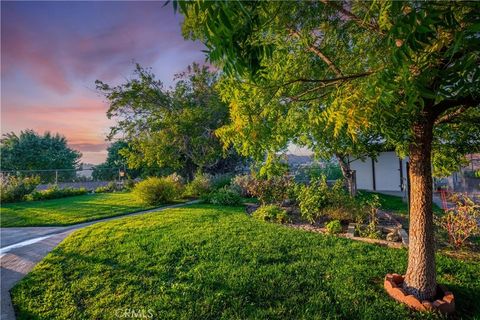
462,222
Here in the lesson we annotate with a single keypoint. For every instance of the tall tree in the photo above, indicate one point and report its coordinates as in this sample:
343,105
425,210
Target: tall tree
408,71
171,128
32,151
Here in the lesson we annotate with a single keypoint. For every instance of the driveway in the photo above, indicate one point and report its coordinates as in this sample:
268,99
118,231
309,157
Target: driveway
22,248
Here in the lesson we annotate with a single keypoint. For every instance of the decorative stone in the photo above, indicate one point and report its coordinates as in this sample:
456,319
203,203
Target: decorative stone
393,236
393,286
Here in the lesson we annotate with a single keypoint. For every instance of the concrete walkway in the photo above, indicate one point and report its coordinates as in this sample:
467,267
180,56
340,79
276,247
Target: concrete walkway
22,248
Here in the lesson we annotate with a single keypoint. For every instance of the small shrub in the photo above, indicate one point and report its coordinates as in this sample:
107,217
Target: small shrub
55,192
461,223
319,200
112,186
178,181
243,184
199,186
129,184
224,196
272,190
14,189
271,213
155,191
334,227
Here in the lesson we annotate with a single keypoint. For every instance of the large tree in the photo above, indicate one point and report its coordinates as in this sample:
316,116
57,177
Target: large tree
32,151
171,128
407,71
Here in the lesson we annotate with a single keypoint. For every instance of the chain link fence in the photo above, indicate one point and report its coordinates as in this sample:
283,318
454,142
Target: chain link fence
88,178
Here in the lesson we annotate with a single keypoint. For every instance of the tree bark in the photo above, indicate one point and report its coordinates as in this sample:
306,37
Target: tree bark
347,173
420,279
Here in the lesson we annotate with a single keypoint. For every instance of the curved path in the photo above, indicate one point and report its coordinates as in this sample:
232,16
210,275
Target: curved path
22,248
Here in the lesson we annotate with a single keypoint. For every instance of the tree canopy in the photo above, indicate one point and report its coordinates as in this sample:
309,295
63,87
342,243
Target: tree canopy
171,128
32,151
353,71
405,71
29,152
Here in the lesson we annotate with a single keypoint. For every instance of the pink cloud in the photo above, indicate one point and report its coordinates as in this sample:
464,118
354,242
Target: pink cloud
27,51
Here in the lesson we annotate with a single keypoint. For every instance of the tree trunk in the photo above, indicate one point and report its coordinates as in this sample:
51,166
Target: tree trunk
420,277
347,173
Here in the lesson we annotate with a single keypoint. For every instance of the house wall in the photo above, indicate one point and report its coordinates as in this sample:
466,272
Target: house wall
364,174
386,172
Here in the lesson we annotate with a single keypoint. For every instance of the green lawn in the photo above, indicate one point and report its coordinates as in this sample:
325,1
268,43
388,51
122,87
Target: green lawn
70,210
393,203
208,262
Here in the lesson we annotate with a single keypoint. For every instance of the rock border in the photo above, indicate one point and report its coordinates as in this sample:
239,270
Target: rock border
393,285
402,232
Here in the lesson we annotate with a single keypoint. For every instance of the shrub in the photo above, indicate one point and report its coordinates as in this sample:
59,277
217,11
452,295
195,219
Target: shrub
319,200
272,190
178,181
112,186
155,191
199,186
129,184
243,184
334,227
462,222
55,192
271,213
15,189
219,181
224,196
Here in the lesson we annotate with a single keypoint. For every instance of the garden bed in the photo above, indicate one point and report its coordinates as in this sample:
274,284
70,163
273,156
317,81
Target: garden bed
387,224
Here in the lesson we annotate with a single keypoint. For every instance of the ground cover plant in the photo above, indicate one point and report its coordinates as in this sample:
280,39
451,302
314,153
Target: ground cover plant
211,262
69,210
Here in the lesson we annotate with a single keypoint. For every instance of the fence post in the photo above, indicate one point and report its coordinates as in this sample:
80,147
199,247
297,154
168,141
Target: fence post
56,177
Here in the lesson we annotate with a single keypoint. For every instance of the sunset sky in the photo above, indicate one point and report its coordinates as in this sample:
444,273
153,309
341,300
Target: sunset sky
52,53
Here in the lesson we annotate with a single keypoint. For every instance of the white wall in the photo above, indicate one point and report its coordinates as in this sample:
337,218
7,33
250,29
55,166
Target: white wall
364,174
387,172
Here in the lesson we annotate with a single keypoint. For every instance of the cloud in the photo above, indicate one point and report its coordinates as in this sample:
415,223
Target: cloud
52,52
89,147
57,52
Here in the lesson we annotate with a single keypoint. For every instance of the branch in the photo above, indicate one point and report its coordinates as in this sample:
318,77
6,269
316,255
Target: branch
463,102
320,54
328,81
370,26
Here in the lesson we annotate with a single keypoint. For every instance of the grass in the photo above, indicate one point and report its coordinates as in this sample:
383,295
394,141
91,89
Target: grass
209,262
393,203
70,210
